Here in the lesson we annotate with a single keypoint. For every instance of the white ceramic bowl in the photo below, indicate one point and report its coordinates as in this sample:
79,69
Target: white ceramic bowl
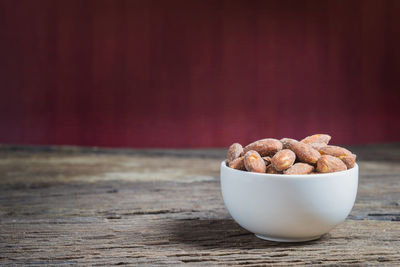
288,208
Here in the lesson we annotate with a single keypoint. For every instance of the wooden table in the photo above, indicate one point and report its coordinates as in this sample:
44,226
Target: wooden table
88,206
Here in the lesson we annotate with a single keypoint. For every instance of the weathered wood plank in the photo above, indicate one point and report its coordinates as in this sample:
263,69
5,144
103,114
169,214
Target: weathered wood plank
104,207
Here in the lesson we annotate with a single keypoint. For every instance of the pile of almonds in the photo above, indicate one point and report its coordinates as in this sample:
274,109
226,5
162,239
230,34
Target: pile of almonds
289,156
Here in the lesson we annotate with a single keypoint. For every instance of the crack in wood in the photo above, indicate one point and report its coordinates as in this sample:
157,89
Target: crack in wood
383,214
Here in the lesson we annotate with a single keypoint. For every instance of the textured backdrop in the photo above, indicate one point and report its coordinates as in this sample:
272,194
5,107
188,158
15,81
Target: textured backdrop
198,73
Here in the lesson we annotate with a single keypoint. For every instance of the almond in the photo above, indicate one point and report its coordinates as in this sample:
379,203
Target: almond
234,151
350,160
272,170
253,162
283,159
287,141
317,146
335,151
304,152
300,168
238,163
329,163
265,147
317,138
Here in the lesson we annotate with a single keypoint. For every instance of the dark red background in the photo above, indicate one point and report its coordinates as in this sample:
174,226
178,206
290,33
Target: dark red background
198,73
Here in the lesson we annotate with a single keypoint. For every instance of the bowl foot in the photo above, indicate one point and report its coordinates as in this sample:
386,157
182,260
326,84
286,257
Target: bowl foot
275,239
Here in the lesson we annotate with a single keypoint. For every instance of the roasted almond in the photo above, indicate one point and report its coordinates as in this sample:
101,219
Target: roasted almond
253,162
350,160
265,147
317,146
300,168
335,151
272,170
286,142
329,163
317,138
238,163
304,152
309,156
283,159
234,151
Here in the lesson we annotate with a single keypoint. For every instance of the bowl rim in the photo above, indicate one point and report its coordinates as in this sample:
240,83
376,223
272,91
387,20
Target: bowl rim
286,176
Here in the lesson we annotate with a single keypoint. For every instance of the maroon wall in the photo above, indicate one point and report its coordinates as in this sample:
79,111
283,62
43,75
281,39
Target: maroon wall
198,73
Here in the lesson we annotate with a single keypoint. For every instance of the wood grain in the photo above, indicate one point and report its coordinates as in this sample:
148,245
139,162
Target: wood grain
66,205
